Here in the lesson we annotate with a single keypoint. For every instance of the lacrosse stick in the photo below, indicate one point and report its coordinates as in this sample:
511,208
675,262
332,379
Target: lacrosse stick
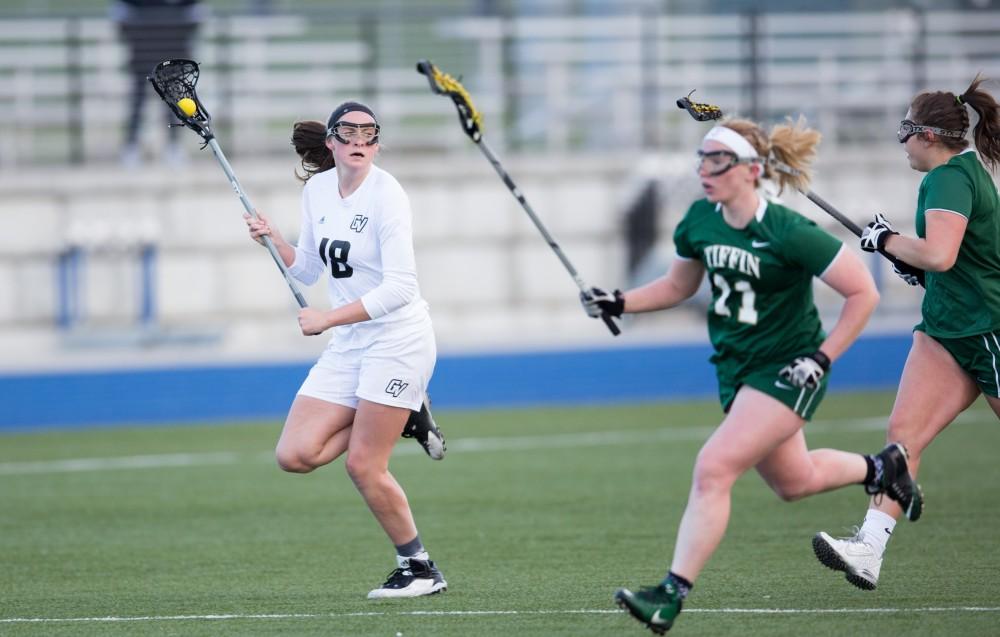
174,82
705,112
471,120
782,167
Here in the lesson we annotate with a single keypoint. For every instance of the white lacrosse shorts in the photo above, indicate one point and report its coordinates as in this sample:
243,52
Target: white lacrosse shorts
392,372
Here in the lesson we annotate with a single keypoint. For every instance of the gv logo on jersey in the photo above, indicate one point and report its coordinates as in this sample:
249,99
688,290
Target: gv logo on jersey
358,223
396,387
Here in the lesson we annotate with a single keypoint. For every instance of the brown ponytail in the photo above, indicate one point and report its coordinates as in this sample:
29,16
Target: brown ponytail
309,141
942,109
987,131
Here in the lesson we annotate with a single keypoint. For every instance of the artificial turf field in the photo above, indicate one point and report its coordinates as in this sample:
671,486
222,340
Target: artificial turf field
536,516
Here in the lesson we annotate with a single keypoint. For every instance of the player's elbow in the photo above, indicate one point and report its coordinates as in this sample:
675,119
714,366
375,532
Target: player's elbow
394,292
306,278
869,298
941,262
401,291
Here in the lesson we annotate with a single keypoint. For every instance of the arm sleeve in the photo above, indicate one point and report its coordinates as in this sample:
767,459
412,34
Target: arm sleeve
307,265
810,246
949,189
399,267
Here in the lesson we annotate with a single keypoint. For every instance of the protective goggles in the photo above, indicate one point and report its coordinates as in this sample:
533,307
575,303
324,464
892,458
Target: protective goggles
348,133
717,162
909,128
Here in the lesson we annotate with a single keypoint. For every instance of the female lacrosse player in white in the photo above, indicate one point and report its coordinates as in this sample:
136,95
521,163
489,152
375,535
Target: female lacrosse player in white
372,378
771,355
956,346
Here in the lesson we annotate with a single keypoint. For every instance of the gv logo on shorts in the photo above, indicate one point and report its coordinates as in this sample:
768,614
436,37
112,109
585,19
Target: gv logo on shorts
358,223
396,387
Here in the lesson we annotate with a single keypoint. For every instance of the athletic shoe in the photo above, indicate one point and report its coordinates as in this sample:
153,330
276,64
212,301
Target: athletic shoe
421,426
655,606
896,482
851,555
413,578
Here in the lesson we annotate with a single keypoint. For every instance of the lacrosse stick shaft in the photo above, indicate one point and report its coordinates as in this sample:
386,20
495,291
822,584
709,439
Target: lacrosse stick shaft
497,166
833,212
847,223
219,155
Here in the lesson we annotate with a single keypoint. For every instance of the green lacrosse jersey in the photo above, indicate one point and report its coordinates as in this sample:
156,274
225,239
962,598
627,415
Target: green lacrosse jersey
965,300
762,306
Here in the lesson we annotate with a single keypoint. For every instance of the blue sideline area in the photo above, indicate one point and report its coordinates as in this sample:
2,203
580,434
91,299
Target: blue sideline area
265,391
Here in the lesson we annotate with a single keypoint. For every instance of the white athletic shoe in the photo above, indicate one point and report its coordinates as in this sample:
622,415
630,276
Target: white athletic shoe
413,578
851,555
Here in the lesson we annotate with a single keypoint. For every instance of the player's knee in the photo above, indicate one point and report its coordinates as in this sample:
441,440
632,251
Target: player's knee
359,468
792,491
711,475
292,461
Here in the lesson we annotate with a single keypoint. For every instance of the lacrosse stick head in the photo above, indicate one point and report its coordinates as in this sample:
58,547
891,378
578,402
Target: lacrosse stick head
174,81
698,110
444,84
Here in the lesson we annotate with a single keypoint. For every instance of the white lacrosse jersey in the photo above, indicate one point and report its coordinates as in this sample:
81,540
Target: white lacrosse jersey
363,246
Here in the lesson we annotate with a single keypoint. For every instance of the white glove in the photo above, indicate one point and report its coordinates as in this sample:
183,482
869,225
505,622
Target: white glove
597,303
874,236
806,371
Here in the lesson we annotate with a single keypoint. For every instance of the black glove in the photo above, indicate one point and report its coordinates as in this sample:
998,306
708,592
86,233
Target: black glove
874,236
598,302
806,371
910,274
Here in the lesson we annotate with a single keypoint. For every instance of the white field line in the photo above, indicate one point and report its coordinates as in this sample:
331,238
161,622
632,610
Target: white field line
467,445
480,613
73,465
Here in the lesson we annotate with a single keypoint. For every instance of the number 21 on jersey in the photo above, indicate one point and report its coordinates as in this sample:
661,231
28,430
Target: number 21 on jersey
747,312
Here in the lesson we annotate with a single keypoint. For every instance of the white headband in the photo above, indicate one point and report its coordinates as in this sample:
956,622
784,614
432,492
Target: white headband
738,143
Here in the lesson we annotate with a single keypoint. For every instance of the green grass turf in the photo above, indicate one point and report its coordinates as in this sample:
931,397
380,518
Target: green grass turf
553,522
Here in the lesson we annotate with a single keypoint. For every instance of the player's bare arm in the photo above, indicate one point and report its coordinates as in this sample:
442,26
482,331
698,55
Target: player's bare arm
679,284
852,280
936,252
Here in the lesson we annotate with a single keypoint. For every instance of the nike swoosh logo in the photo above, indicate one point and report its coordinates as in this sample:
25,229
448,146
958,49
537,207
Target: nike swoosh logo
888,531
781,385
760,244
656,619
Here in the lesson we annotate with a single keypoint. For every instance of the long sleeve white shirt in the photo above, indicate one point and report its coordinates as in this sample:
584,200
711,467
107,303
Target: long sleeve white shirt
363,246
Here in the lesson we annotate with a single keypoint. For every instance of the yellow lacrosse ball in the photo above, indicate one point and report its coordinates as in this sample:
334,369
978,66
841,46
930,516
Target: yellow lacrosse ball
187,106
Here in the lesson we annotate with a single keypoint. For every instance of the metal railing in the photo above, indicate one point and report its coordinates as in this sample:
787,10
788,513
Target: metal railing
543,83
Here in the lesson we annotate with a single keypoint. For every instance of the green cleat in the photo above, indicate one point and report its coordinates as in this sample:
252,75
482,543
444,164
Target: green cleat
655,606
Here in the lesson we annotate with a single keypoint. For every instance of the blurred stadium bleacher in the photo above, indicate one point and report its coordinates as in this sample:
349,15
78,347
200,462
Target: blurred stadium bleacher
113,266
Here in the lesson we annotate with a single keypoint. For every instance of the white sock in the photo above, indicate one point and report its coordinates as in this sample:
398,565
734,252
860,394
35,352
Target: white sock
877,529
404,562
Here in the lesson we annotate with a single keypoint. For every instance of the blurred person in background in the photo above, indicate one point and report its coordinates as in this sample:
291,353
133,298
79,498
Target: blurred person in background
369,385
771,355
153,31
956,348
